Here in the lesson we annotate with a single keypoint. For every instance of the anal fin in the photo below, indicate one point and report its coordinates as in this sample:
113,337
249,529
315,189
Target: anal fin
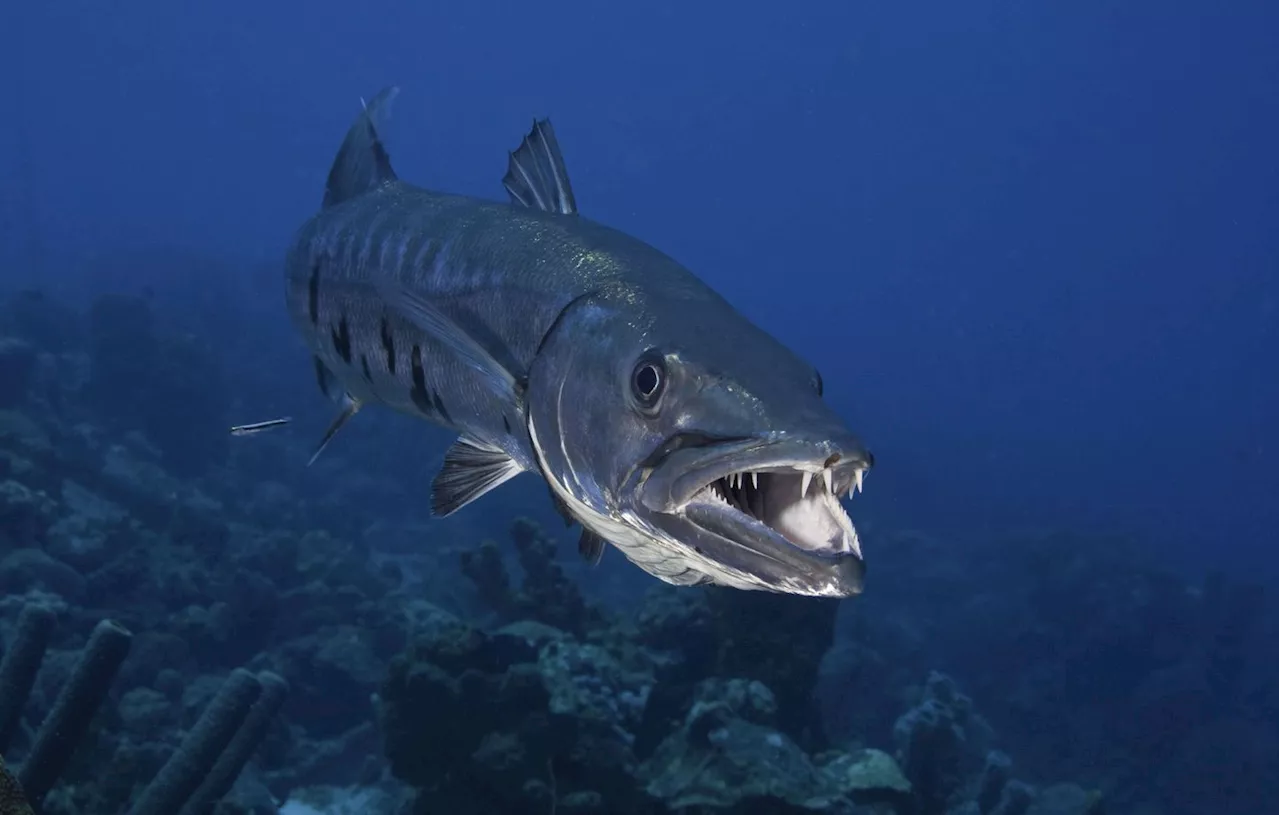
536,176
471,468
350,407
591,547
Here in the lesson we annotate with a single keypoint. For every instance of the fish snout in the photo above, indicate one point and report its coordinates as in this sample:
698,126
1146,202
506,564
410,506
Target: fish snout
839,449
838,455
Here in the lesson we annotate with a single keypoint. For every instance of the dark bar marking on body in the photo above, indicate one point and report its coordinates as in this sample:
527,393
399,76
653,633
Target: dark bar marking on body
322,376
342,339
313,294
388,344
438,403
418,393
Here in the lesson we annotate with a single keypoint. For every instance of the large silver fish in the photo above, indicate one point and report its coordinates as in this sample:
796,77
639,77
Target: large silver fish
664,421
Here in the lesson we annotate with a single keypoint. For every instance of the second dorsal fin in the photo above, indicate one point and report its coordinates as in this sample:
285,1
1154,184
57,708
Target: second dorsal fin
536,176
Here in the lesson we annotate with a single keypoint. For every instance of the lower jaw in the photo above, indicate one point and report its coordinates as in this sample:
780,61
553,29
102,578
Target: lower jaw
772,563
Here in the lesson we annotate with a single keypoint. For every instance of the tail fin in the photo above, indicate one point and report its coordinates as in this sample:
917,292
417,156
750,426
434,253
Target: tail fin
362,163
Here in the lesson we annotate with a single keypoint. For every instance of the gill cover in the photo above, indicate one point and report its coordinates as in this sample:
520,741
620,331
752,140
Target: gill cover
587,435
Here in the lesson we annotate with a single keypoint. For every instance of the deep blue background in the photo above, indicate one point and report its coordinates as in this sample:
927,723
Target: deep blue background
1029,245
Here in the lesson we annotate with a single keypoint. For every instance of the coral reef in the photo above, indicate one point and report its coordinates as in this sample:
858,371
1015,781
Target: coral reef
545,594
780,640
729,754
612,719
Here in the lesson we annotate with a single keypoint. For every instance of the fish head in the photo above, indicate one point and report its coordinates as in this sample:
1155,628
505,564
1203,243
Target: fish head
698,445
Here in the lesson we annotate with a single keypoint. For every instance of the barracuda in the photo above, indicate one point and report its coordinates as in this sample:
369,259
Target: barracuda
664,422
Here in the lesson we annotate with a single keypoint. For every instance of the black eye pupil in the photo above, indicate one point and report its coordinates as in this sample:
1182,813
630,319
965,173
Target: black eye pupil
647,379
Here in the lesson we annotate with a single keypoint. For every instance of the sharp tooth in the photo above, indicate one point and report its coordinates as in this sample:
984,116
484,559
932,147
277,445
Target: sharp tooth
857,481
805,478
755,479
826,478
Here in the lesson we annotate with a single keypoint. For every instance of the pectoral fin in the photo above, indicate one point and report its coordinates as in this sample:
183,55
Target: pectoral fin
471,468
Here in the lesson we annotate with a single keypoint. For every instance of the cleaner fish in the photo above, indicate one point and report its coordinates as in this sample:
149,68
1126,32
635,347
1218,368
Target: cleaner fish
664,422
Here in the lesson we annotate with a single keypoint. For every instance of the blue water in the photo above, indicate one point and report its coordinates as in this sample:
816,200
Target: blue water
1028,245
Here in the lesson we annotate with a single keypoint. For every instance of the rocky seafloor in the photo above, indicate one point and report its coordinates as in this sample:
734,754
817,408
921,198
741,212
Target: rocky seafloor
480,677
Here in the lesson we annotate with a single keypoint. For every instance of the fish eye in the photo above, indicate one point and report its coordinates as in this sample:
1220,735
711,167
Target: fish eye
649,380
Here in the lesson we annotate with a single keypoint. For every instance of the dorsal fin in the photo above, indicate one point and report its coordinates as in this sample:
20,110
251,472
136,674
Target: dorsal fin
362,163
536,176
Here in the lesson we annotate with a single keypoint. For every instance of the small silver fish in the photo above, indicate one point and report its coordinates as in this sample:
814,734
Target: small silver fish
664,421
258,427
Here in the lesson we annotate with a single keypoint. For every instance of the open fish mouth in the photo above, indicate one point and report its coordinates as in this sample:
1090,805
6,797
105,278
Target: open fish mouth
769,507
797,505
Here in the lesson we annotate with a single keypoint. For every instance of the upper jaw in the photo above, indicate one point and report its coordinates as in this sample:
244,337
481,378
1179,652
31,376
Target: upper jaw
818,556
838,465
